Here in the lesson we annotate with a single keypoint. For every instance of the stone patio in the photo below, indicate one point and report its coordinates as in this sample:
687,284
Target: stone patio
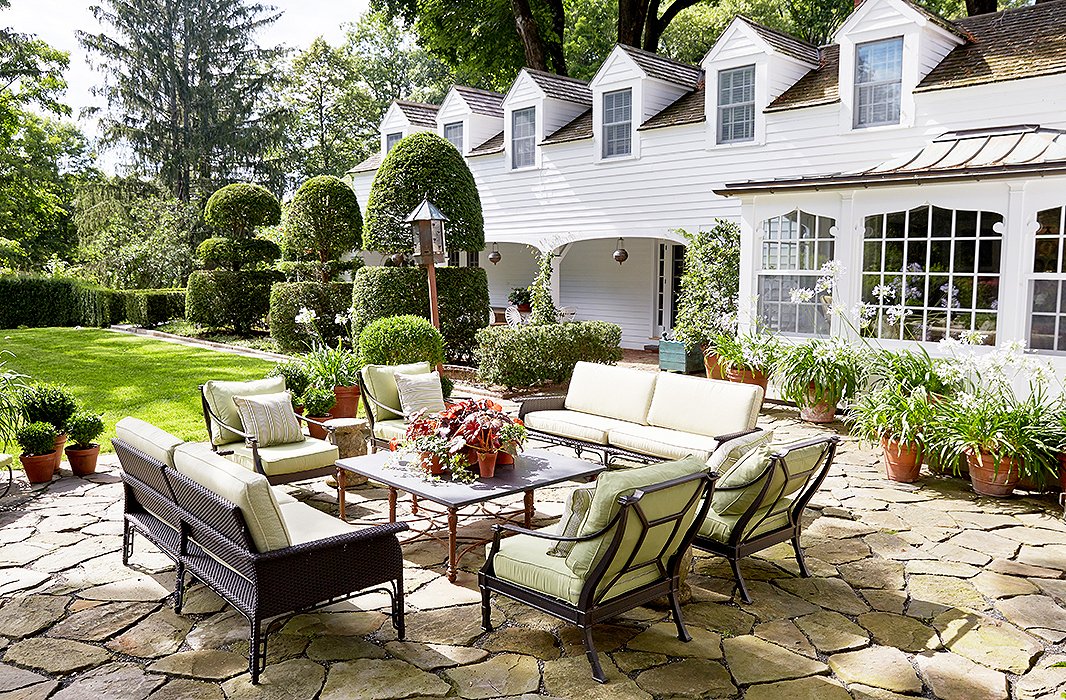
916,591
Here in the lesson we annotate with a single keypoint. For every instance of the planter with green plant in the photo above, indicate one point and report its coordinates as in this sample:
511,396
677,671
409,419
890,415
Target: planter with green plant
335,369
749,358
84,428
50,404
522,298
294,372
318,402
37,441
895,417
817,375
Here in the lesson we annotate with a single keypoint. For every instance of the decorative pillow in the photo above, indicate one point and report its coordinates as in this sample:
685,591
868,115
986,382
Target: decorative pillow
732,451
270,418
574,512
419,392
219,396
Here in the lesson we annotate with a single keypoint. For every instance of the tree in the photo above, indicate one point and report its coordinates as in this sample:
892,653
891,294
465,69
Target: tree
238,209
189,92
323,222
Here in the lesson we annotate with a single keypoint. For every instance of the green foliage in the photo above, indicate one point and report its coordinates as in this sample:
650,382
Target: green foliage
520,296
307,271
234,254
49,403
544,310
819,371
398,340
423,164
912,369
227,299
152,307
37,302
710,283
326,300
755,352
318,402
11,386
462,292
328,367
84,428
295,374
893,412
323,222
36,439
237,210
526,356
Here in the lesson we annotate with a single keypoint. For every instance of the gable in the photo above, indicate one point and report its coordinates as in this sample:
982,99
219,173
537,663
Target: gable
618,67
523,89
737,40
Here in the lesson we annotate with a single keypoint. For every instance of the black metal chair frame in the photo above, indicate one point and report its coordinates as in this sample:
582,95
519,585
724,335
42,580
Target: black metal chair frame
741,545
369,400
207,538
253,442
591,608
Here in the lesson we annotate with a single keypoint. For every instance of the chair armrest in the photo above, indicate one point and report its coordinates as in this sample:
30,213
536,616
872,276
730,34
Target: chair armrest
733,436
541,403
305,419
385,531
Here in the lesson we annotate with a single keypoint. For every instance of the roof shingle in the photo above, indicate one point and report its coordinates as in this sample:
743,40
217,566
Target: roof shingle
370,164
561,87
576,129
784,43
687,109
419,113
663,68
493,145
483,102
817,87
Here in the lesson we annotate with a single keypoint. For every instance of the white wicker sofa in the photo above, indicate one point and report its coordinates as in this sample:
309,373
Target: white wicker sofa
618,412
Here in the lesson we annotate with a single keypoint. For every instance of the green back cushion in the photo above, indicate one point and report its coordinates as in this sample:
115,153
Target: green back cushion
380,381
147,438
739,487
575,510
220,396
612,392
732,451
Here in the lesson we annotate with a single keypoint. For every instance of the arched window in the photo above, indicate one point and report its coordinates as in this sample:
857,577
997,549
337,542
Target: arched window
794,248
1047,291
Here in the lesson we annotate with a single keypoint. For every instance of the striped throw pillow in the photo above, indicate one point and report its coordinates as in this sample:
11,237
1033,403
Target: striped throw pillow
270,418
419,392
574,512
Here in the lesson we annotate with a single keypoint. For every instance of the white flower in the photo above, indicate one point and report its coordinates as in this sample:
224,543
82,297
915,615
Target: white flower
884,292
895,314
1014,347
340,319
801,295
824,285
306,317
972,337
833,268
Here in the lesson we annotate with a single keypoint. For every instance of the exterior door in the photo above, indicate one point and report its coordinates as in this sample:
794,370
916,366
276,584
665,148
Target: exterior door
670,264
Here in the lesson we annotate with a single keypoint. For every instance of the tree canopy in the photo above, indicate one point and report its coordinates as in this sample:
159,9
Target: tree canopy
323,222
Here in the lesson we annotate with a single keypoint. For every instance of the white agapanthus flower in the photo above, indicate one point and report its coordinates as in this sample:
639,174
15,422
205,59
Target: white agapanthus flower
973,337
340,319
895,314
884,292
801,295
824,285
306,317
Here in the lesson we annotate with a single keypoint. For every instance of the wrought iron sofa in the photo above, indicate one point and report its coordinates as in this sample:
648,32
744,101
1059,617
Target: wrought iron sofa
381,400
617,412
264,552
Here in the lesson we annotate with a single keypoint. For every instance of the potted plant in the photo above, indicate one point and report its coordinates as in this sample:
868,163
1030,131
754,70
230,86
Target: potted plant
294,372
84,428
522,298
895,417
336,369
512,437
748,358
817,374
37,441
676,356
318,403
50,404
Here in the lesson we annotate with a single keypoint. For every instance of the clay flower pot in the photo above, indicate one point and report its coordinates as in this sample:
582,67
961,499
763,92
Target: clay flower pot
504,458
486,464
903,461
745,376
57,456
39,468
316,431
992,479
431,463
347,405
524,308
83,460
711,365
817,412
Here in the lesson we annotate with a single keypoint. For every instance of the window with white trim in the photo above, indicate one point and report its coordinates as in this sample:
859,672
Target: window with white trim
1047,286
736,105
454,134
617,123
795,246
929,273
393,139
878,82
524,137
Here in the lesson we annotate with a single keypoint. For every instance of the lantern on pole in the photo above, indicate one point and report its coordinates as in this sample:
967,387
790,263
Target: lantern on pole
427,230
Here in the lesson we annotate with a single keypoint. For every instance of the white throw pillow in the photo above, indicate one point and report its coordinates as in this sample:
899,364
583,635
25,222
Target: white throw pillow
270,418
420,392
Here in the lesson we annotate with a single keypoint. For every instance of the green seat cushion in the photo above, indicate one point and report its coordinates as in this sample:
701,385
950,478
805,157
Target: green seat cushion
145,437
308,524
662,442
739,487
395,429
720,527
306,455
380,381
219,396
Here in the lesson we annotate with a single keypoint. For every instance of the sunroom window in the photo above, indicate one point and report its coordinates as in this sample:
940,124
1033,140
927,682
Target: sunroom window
929,273
795,246
878,82
1047,286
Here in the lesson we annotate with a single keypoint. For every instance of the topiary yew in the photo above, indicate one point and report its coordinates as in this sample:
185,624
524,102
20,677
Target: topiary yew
398,340
423,164
237,209
323,222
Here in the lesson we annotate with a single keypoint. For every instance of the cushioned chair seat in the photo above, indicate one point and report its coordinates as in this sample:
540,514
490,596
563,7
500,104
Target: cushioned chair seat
574,424
307,524
662,442
719,527
390,429
308,455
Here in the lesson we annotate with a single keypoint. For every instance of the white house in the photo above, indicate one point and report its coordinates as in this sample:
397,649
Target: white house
923,155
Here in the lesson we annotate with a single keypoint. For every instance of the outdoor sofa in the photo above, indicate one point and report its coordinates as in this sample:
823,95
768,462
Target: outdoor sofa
632,414
264,552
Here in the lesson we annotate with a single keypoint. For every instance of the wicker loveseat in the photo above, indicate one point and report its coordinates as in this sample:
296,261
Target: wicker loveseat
618,412
264,552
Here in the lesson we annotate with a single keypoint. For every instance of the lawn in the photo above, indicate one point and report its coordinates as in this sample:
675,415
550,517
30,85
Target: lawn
121,375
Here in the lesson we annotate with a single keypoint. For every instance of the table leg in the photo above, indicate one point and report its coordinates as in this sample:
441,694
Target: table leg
453,526
342,486
392,505
414,505
529,509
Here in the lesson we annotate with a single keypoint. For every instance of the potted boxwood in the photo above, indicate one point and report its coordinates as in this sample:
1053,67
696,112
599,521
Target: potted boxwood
749,358
84,428
522,298
336,369
37,441
48,403
817,374
895,417
294,372
318,403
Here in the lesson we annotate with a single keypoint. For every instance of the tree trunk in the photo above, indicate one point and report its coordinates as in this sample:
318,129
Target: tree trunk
631,17
655,25
555,46
980,7
529,33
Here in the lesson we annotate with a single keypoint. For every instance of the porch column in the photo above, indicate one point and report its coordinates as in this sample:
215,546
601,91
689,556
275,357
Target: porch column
1013,316
557,264
848,250
747,306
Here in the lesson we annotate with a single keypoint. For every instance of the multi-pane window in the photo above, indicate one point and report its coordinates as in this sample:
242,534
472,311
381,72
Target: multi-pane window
454,134
878,79
1047,291
930,273
736,104
524,137
617,123
795,246
473,259
392,139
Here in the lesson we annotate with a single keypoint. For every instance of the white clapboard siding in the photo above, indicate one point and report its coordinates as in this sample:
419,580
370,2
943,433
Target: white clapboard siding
517,268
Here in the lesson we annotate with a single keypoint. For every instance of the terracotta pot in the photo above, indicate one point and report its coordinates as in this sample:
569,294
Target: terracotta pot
992,479
83,461
486,463
298,410
504,458
431,463
711,365
524,308
57,456
820,412
744,376
318,431
39,468
347,405
903,461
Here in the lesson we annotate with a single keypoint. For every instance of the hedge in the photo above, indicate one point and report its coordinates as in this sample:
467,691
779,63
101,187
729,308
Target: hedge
228,299
525,356
462,294
236,210
401,340
40,302
325,299
151,307
232,254
323,223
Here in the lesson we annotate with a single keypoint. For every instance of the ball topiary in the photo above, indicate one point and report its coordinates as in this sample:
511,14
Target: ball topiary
233,254
37,438
84,428
323,222
422,164
48,403
236,210
398,340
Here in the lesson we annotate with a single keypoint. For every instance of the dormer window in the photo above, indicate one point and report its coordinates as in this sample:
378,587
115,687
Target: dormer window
878,78
524,137
392,139
736,105
617,123
454,134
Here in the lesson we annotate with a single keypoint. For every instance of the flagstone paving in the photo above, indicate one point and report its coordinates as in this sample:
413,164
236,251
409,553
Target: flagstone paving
918,590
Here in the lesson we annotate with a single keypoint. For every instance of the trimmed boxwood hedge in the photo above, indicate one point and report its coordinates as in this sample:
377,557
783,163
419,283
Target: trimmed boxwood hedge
151,307
325,299
526,356
401,340
237,210
40,302
228,299
462,294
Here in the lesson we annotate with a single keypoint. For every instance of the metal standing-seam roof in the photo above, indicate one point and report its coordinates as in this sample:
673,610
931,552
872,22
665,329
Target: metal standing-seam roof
663,68
561,87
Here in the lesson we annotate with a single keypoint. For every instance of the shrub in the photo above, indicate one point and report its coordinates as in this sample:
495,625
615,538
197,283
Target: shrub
228,299
48,403
151,307
399,340
36,438
323,223
84,428
308,271
232,254
462,293
526,356
327,300
40,302
318,401
294,372
113,303
544,310
707,305
236,210
423,164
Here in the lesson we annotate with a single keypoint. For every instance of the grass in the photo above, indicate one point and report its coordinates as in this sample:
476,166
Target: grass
121,375
261,341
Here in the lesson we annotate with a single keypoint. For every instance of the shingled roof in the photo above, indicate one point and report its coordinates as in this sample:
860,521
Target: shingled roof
561,87
370,164
663,68
419,113
575,130
817,87
687,109
482,101
493,145
784,43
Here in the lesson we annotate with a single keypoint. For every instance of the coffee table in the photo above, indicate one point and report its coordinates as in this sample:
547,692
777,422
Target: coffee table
533,469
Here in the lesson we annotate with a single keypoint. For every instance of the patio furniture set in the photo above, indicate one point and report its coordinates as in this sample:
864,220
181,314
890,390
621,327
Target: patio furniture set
215,511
